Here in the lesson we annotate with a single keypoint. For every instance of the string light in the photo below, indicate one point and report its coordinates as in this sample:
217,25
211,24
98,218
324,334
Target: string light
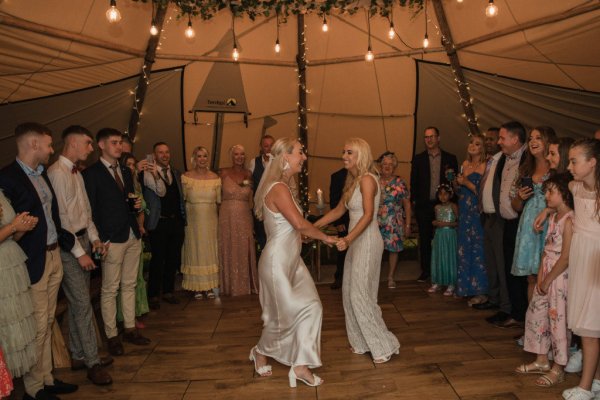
189,31
391,32
459,1
325,27
491,10
235,53
113,15
369,55
153,29
426,41
277,45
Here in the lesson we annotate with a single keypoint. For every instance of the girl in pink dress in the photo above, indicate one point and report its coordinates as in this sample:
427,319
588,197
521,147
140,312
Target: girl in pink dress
584,264
546,318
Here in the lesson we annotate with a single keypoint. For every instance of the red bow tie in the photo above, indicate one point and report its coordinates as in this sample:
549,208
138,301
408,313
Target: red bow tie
74,170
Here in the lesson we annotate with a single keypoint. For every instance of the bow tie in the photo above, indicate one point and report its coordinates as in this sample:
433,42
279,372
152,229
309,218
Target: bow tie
74,170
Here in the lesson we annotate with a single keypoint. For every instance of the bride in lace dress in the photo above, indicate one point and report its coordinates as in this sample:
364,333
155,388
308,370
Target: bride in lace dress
291,308
366,329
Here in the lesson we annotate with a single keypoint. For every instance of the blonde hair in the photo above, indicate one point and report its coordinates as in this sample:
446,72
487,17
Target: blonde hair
195,152
364,165
274,173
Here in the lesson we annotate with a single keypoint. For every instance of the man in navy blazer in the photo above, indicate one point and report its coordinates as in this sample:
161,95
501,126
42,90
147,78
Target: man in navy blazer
108,185
165,225
28,188
429,170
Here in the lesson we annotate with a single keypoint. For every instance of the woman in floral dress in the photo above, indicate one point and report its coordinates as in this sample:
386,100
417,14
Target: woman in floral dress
394,211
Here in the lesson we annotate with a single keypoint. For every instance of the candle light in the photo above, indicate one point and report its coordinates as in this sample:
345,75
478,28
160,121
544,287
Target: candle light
320,201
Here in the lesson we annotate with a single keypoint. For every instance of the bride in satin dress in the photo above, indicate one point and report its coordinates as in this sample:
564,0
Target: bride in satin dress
291,308
366,329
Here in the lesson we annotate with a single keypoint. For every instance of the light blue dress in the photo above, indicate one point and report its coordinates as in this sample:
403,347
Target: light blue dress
444,255
529,244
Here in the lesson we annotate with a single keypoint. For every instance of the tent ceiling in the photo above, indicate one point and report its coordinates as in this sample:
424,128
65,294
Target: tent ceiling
564,53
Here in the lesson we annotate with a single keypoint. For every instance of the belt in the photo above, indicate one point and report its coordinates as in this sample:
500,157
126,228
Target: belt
80,233
52,247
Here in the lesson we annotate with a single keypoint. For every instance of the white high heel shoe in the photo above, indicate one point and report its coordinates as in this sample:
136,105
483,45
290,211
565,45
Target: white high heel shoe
264,370
292,376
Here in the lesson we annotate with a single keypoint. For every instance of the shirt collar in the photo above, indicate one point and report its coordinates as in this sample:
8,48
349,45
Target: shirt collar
435,154
517,154
30,171
106,163
68,163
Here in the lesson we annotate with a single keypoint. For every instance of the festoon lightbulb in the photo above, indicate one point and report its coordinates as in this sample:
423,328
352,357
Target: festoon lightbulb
113,15
491,10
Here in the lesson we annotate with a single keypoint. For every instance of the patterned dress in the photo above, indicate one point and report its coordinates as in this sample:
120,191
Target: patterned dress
6,385
200,266
443,248
365,326
471,273
546,318
237,251
391,214
530,244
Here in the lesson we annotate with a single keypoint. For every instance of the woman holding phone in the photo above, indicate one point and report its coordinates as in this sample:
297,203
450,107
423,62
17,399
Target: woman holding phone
528,197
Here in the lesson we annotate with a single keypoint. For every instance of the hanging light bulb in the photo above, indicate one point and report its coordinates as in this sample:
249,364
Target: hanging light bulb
491,10
277,46
113,15
369,56
235,54
189,31
391,32
459,1
153,29
426,41
325,27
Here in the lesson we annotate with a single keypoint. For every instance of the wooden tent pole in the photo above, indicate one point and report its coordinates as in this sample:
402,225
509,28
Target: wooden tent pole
144,78
459,77
302,108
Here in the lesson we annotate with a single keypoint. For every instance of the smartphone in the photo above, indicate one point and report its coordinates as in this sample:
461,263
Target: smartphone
527,181
149,158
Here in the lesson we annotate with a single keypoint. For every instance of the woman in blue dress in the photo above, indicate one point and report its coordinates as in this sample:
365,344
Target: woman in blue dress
528,198
471,273
394,212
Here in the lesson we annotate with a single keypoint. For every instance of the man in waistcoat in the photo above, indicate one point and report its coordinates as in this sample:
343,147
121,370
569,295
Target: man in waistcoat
165,226
258,166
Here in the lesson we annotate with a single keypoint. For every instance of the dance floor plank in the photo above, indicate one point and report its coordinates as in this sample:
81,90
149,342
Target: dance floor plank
200,351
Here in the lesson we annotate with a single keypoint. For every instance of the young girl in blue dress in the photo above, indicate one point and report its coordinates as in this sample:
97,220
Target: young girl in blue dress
444,247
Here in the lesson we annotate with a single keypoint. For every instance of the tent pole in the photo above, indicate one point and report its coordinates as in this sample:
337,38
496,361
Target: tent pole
302,109
459,77
144,78
217,140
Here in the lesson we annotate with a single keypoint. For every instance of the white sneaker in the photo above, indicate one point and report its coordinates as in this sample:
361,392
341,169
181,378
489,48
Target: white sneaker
596,387
575,363
577,393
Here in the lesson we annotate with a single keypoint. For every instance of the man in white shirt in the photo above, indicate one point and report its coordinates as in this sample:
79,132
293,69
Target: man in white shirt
76,217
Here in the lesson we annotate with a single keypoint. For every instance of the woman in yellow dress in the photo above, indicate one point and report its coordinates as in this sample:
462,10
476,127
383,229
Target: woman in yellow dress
202,194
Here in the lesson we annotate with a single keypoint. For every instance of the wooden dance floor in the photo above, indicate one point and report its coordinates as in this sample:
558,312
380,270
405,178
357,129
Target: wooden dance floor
200,351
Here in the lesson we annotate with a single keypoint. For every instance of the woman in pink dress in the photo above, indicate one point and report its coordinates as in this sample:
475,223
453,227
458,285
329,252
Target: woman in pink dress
236,240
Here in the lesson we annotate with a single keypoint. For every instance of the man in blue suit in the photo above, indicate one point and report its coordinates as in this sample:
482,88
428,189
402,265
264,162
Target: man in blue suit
165,226
28,188
109,186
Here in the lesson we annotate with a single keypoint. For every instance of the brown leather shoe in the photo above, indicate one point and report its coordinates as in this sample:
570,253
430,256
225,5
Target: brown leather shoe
115,347
78,365
510,323
134,337
99,376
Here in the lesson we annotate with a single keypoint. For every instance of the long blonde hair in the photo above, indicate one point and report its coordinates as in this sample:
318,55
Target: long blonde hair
364,165
195,152
274,173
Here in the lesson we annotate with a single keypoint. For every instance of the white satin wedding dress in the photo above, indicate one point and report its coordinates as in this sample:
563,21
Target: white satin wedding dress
291,309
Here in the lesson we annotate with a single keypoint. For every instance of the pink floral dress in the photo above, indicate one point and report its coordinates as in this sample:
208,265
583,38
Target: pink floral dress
546,318
6,385
391,214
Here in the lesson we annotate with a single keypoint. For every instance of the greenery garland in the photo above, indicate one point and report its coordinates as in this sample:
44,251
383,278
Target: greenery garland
206,9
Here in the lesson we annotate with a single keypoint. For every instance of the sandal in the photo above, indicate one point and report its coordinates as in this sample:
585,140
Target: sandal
533,368
552,378
210,295
479,299
391,284
385,359
263,370
198,296
356,352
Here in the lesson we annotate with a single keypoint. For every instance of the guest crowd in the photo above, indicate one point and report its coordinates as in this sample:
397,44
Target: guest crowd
513,228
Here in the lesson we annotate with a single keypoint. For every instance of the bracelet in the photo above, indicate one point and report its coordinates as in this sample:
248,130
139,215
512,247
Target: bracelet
13,230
